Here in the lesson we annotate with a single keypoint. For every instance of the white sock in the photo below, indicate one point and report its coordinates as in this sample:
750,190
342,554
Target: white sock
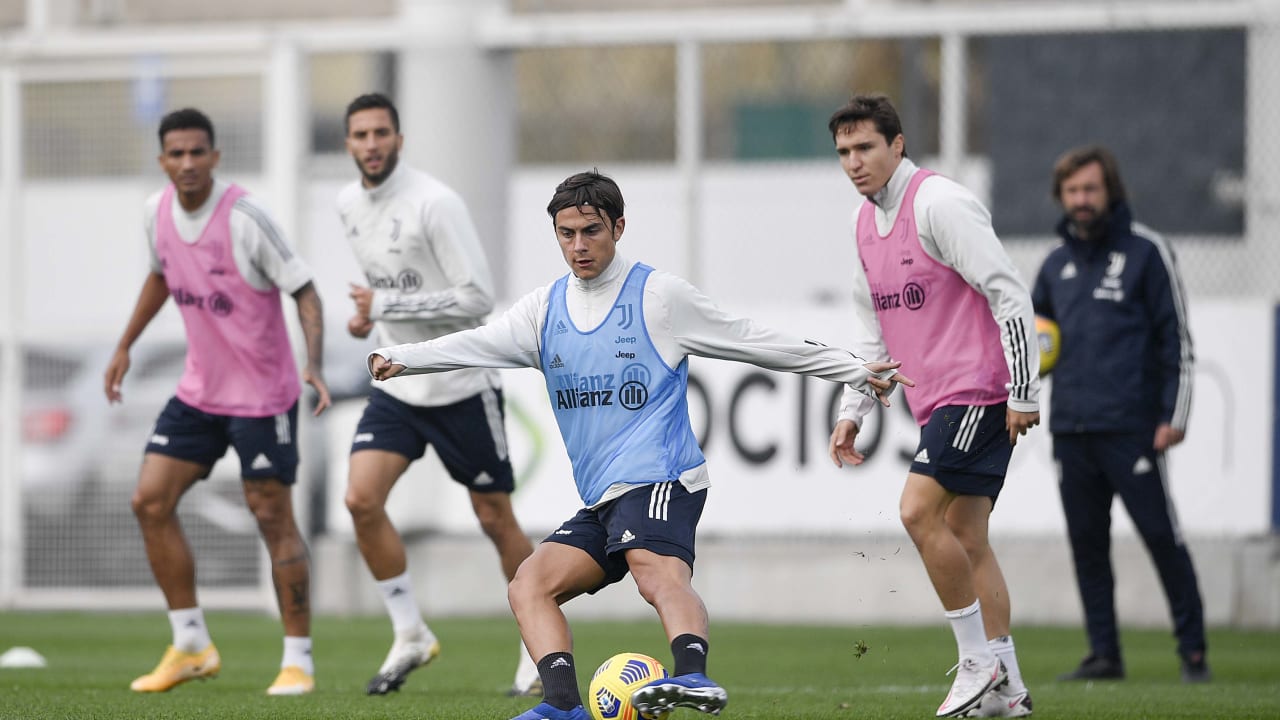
1003,648
971,636
526,671
190,634
297,651
402,606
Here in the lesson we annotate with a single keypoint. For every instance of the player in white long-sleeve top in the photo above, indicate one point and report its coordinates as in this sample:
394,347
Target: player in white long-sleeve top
427,277
935,290
612,339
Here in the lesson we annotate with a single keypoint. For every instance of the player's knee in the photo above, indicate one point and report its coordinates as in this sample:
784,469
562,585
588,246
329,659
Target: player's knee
521,591
649,590
974,544
493,511
914,518
149,508
361,505
271,516
654,582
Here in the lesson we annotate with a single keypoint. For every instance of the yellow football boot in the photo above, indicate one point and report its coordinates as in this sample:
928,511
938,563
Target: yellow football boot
292,680
177,667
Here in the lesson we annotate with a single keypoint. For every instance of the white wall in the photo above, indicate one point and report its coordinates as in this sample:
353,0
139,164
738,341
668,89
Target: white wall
777,235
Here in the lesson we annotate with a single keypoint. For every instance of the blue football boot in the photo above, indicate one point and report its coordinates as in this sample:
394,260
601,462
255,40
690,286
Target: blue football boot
544,711
694,690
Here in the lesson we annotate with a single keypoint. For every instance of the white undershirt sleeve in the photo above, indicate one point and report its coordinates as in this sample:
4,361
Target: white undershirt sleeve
510,341
697,327
268,258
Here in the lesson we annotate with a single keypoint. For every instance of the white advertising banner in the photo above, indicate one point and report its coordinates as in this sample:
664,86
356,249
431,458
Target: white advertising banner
765,437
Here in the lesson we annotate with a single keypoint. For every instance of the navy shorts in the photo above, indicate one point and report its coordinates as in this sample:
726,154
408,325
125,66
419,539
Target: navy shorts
467,435
267,446
966,449
661,518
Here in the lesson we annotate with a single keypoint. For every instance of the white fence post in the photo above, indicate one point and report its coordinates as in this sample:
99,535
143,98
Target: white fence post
11,273
689,129
953,120
457,107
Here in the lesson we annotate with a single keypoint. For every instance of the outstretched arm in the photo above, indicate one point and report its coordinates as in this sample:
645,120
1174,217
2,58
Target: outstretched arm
513,340
155,290
311,317
697,327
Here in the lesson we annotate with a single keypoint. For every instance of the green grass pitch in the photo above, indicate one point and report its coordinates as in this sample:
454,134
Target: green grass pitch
775,672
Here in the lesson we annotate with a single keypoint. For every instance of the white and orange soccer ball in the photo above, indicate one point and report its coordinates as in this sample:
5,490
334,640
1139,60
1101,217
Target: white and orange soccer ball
609,696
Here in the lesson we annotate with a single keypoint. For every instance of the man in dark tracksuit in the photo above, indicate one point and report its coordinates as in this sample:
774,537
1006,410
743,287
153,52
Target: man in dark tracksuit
1121,398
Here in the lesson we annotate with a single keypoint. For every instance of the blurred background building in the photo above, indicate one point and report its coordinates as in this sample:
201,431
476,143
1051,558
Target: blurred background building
712,116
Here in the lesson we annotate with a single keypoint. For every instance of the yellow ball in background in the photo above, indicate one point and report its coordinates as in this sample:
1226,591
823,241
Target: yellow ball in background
1050,339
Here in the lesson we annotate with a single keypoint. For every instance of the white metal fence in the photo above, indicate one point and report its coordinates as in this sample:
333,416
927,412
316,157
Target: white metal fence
705,101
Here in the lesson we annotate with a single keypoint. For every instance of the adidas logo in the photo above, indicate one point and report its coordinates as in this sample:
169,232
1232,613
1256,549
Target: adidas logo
193,623
923,456
696,646
559,662
564,532
1142,467
556,362
560,328
397,590
159,439
483,478
1069,271
627,536
362,438
260,463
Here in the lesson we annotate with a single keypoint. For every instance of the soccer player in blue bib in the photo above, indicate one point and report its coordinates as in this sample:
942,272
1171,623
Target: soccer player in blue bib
613,338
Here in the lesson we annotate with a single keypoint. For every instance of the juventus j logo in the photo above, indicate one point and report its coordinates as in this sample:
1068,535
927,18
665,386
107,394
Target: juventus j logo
625,321
1115,264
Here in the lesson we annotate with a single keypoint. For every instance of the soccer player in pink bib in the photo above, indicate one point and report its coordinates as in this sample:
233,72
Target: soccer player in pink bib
934,289
224,262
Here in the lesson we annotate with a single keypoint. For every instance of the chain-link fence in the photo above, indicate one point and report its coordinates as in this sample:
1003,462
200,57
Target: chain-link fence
1177,105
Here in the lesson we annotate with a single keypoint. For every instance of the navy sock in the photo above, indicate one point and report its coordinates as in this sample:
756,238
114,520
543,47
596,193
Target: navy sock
559,681
690,653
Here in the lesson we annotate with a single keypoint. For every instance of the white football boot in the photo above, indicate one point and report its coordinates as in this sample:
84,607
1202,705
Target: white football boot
408,653
974,678
527,682
1002,701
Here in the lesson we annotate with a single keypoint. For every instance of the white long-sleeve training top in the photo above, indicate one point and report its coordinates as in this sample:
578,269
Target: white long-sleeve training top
681,321
421,255
955,230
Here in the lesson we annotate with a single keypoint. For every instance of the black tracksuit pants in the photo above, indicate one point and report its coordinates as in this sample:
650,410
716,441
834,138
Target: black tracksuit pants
1095,467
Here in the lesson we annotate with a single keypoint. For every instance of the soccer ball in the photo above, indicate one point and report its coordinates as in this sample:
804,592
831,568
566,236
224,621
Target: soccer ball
615,680
1050,339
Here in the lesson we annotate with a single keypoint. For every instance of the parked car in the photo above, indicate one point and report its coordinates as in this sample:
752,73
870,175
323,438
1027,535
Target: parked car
80,460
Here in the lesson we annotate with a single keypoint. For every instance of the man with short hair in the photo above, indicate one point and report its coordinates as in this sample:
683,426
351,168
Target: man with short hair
1121,399
225,262
624,419
427,277
934,289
